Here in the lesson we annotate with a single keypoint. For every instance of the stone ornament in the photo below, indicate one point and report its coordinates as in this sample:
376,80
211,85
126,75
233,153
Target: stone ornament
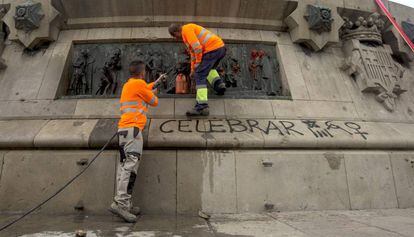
319,18
369,61
28,16
363,29
32,22
315,23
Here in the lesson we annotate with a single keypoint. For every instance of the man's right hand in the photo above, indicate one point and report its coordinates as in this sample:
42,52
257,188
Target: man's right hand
162,76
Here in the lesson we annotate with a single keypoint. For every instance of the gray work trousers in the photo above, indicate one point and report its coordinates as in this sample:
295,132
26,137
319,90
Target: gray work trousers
130,148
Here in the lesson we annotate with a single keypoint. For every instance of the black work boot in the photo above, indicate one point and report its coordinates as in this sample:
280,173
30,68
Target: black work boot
219,87
199,110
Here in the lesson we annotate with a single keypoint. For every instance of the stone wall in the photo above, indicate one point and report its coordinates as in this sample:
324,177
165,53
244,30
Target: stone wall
319,88
221,181
331,146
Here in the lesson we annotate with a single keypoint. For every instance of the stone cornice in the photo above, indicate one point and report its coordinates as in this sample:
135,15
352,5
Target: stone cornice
212,134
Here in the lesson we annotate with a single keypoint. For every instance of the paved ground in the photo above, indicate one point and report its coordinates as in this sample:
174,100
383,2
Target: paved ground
327,223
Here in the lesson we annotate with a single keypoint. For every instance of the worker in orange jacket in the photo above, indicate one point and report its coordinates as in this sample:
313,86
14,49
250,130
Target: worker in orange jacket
136,96
206,50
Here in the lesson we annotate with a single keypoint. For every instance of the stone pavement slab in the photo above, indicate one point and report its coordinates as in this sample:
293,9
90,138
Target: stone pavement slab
251,225
107,226
398,221
378,223
341,223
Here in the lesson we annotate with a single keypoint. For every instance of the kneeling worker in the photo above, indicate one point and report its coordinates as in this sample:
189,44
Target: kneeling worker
207,50
135,98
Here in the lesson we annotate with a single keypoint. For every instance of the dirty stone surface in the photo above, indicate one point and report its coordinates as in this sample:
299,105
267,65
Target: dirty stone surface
390,222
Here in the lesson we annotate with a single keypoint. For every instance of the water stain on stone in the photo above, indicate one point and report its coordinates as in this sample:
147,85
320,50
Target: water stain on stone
285,140
410,162
207,136
410,111
211,158
334,160
78,123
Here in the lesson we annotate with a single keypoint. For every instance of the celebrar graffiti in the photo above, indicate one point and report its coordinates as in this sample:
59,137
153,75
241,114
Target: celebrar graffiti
318,129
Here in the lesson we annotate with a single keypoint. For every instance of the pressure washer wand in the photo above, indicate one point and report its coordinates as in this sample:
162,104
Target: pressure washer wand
161,79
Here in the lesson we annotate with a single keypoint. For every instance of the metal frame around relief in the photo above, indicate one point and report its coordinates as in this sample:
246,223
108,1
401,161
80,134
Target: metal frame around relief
100,69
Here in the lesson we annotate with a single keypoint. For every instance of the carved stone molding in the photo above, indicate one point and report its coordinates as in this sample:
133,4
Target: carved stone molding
319,18
369,62
32,22
365,29
315,23
28,16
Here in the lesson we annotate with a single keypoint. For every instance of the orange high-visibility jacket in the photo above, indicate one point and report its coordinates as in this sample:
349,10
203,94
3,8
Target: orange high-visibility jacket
135,97
199,41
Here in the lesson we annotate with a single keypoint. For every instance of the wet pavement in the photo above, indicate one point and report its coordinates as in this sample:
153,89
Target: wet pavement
378,223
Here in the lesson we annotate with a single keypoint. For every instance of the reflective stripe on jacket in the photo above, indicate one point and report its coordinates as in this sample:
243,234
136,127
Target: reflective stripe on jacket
199,41
136,96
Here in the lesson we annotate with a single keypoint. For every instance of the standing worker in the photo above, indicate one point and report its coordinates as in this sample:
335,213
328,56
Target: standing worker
206,49
135,98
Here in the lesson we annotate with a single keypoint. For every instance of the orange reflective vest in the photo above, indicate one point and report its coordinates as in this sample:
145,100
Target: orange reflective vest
135,98
199,41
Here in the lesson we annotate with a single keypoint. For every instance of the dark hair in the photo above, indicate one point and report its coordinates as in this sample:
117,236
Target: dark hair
137,67
173,28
